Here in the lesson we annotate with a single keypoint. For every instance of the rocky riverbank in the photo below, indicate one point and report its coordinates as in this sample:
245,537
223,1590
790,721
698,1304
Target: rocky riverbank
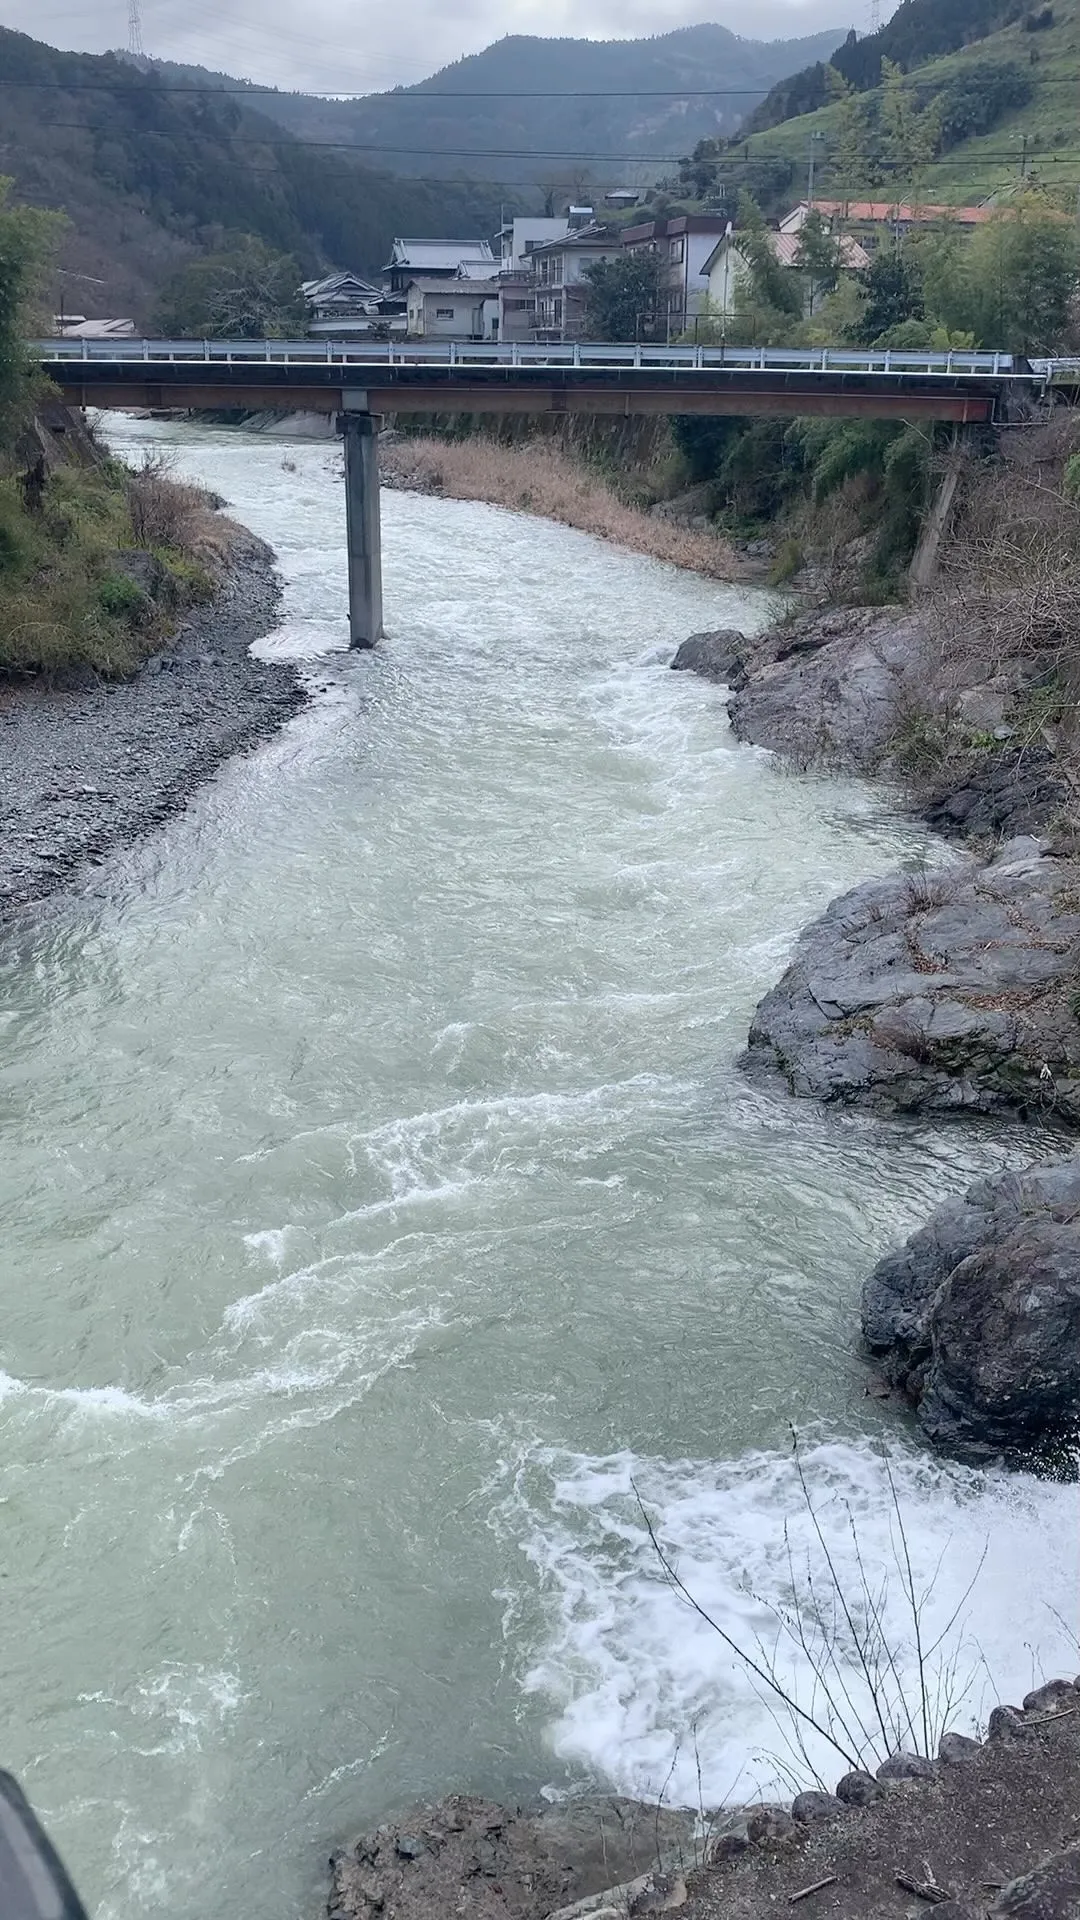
980,1830
87,767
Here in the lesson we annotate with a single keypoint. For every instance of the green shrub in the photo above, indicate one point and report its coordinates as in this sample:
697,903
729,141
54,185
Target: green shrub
788,562
121,597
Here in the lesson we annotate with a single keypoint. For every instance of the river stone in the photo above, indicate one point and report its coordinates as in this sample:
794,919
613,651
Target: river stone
807,1808
977,1318
955,1748
906,1766
1006,1723
858,1789
1051,1892
716,656
1051,1697
478,1857
945,992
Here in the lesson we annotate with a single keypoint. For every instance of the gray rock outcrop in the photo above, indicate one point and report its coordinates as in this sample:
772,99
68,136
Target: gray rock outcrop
938,992
977,1320
716,656
468,1855
833,686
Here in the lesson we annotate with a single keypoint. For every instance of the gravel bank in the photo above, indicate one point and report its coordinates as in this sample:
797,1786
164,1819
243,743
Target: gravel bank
86,770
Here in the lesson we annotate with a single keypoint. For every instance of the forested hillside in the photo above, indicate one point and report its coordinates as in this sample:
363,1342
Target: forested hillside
903,118
150,177
529,109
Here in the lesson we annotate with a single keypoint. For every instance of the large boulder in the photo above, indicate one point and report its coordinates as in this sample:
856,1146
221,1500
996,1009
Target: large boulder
716,656
468,1855
977,1318
942,992
834,686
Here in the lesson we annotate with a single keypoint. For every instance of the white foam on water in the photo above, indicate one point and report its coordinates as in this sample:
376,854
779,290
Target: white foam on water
647,1691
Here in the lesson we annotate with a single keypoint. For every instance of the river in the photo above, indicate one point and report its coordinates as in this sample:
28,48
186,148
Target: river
383,1206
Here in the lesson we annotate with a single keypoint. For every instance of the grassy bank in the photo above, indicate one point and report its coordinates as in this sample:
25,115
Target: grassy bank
540,477
96,560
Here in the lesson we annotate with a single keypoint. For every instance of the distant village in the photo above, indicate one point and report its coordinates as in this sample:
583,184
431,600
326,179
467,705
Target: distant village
531,286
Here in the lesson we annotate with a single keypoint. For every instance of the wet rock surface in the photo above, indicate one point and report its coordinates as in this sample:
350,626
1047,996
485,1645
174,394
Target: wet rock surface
977,1320
948,992
468,1856
715,656
88,768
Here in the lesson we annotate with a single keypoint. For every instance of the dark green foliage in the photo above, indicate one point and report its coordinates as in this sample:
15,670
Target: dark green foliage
718,173
243,292
894,294
27,236
977,99
919,31
626,299
119,595
199,166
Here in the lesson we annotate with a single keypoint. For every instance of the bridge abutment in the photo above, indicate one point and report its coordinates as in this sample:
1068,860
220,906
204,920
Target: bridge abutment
363,525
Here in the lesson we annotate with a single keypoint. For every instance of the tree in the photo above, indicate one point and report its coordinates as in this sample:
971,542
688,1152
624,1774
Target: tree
627,298
820,257
246,291
28,237
910,136
1024,273
893,294
769,299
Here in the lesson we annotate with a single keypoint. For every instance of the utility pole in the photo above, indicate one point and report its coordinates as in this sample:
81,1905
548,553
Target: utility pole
135,40
1023,155
810,172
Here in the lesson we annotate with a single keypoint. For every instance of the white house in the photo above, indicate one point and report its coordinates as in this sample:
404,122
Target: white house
518,238
683,246
559,278
726,265
459,309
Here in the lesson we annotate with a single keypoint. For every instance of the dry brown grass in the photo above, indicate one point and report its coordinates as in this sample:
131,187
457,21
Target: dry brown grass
542,479
165,512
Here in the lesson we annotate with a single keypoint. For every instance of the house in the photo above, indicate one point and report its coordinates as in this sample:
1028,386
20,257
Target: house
727,265
896,216
341,303
453,309
437,260
623,197
518,237
558,277
684,245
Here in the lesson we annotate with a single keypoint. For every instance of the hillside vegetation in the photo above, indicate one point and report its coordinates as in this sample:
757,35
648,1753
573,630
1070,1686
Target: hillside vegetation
151,177
528,102
980,92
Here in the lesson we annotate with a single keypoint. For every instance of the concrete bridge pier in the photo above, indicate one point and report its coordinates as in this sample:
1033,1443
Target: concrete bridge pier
363,523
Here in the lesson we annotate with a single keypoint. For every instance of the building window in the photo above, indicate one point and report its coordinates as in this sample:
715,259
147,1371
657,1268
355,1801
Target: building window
444,313
677,249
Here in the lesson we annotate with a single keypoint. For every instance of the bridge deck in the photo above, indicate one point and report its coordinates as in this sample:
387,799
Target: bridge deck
339,376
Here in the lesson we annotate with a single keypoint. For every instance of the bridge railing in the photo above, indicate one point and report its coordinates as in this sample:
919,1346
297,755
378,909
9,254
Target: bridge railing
860,361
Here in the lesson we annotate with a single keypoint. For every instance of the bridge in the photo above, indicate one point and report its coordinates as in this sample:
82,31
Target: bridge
358,381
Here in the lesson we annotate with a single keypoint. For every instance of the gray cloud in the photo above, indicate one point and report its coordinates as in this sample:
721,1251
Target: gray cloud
332,45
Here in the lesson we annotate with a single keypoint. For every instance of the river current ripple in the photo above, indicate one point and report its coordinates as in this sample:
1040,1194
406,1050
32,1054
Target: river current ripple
385,1214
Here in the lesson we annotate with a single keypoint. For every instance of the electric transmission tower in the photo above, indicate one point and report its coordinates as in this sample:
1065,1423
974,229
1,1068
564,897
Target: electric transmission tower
875,15
135,45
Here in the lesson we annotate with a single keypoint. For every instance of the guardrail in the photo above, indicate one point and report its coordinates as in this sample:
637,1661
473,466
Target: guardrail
448,355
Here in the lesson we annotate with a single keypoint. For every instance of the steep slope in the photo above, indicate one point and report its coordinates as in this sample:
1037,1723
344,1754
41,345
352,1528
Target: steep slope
530,109
1005,101
148,176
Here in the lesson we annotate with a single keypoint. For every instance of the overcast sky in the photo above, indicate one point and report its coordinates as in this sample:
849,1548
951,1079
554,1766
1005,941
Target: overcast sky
341,46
